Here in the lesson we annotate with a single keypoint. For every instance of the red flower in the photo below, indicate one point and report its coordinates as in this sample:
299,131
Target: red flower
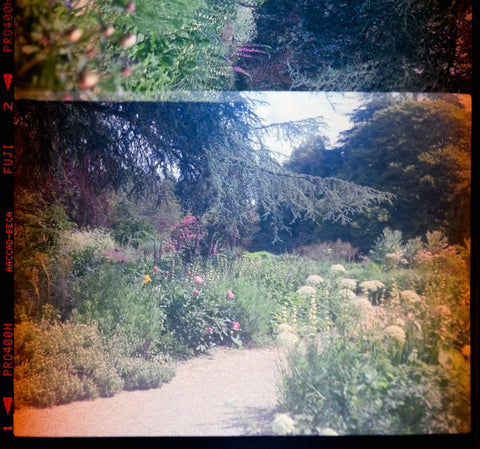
230,294
198,279
196,292
236,326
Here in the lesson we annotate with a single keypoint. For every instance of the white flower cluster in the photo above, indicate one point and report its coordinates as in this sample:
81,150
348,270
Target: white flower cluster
327,431
371,286
286,339
337,268
351,284
284,327
306,290
314,280
395,333
363,304
347,293
283,424
410,296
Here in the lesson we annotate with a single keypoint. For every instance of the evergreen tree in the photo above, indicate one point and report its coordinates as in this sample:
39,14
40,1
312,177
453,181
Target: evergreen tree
212,151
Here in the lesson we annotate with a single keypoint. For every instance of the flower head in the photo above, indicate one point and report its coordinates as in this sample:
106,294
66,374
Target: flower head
155,268
130,8
126,71
196,292
314,280
89,80
236,326
395,333
146,279
240,70
283,424
75,35
128,40
230,294
410,296
337,268
198,279
307,290
108,30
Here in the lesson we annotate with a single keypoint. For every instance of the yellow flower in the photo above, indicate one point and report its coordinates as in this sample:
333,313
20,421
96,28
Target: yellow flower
146,279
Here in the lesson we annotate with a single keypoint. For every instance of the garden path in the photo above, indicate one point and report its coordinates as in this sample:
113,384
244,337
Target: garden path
225,393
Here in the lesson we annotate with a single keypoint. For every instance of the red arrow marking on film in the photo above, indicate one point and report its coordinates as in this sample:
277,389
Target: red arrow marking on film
8,79
8,403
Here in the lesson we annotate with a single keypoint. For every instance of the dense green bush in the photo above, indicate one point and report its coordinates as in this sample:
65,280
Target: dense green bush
91,50
356,389
141,374
60,363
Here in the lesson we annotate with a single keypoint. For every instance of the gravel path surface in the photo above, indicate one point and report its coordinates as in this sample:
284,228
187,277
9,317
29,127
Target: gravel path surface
229,392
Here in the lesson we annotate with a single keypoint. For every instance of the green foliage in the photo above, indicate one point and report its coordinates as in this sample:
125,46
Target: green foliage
141,374
398,367
389,249
60,363
124,49
210,149
420,159
416,147
390,368
331,45
201,320
362,387
327,251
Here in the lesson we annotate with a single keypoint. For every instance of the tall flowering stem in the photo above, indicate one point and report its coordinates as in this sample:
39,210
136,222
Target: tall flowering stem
313,312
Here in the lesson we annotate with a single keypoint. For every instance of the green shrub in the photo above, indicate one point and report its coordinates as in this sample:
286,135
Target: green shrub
337,251
199,318
99,49
389,249
60,363
355,388
254,308
141,374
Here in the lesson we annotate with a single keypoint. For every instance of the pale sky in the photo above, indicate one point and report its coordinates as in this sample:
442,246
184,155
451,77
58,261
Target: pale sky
333,107
293,106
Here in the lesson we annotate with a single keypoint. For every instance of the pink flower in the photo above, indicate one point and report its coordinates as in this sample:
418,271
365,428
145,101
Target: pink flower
130,8
240,70
230,294
108,30
209,329
196,292
198,279
236,326
126,71
128,40
155,268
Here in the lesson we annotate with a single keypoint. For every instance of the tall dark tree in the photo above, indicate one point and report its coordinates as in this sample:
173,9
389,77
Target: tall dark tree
211,150
421,151
415,146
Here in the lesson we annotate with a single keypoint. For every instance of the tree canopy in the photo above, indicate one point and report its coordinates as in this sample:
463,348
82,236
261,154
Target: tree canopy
419,149
365,45
212,152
